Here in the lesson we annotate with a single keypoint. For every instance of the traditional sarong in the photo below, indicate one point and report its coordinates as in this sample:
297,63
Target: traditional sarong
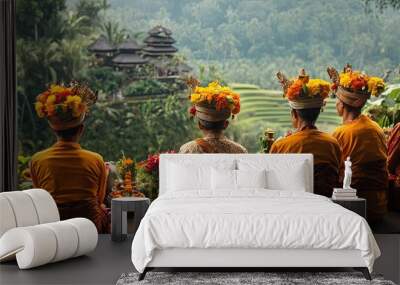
394,168
326,152
326,177
75,178
372,187
364,142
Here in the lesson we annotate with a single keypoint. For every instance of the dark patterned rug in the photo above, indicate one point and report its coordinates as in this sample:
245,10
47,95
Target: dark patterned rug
231,278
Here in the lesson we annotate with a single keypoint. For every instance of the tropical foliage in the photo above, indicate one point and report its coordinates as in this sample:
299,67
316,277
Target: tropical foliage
104,79
51,47
146,87
147,178
225,40
138,128
249,41
381,4
386,110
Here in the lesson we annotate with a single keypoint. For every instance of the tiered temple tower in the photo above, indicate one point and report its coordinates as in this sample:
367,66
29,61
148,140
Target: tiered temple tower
159,43
128,56
103,49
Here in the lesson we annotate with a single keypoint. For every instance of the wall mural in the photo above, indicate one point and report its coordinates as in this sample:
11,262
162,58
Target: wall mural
166,74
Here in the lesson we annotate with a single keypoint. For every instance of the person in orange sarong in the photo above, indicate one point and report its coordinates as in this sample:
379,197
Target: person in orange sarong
76,178
394,168
213,122
306,108
362,139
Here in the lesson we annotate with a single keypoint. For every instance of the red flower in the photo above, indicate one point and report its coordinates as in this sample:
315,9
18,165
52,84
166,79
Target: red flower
358,84
192,111
236,109
61,96
152,162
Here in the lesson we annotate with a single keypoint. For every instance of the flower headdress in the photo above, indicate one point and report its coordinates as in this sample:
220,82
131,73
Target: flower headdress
65,106
214,102
354,87
303,92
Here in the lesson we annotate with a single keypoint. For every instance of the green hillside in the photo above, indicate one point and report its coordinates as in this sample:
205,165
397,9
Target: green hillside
269,108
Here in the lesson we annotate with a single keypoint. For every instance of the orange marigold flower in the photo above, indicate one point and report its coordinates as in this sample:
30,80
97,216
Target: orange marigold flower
221,97
60,99
221,102
42,97
294,90
236,109
51,109
127,161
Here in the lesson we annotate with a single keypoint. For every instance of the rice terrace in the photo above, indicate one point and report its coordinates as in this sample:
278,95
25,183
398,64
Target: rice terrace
271,109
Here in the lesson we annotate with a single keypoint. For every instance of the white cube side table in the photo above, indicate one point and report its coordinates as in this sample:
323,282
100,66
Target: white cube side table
119,209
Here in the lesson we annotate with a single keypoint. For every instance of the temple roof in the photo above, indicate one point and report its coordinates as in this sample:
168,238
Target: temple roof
128,59
101,45
159,42
129,46
158,49
161,50
160,30
152,40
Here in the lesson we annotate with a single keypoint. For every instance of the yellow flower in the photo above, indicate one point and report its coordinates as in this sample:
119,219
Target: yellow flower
51,109
375,85
221,96
55,89
195,97
318,87
74,103
73,100
345,79
39,109
51,99
199,89
59,98
214,84
49,105
42,97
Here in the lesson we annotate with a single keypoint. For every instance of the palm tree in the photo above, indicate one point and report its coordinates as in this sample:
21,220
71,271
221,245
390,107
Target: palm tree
113,33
